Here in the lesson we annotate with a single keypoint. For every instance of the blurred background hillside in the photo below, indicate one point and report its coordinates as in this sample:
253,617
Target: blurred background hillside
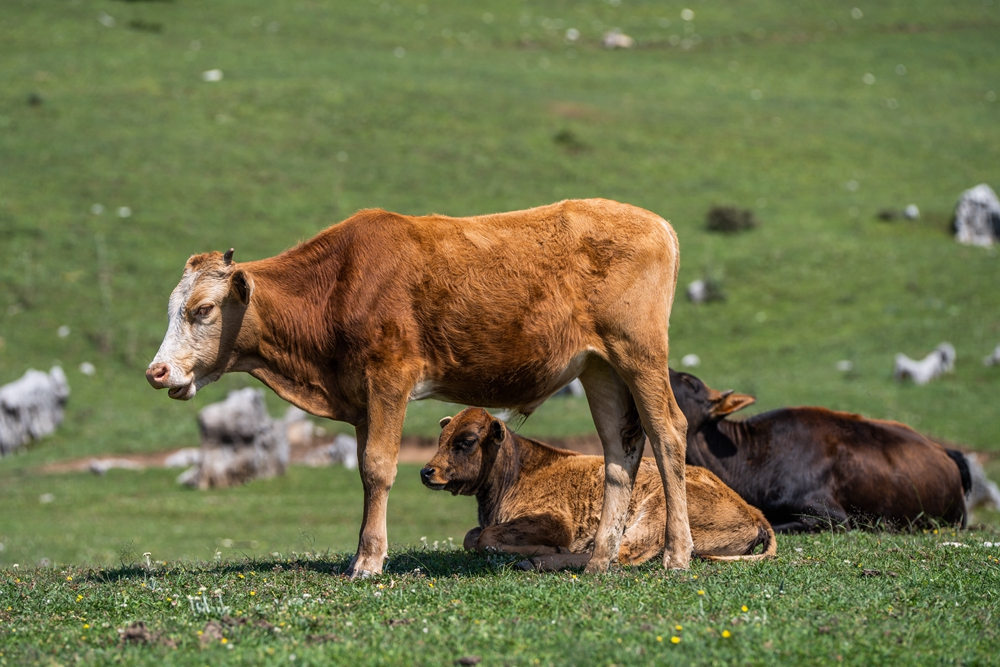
134,134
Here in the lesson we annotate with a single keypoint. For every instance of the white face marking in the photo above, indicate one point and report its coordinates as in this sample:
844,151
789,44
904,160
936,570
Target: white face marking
191,348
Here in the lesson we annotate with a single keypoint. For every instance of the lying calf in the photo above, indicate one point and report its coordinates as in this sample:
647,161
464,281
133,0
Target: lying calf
812,469
546,503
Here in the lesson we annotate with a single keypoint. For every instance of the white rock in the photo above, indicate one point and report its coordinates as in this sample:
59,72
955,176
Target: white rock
938,362
690,361
977,216
911,212
616,39
212,75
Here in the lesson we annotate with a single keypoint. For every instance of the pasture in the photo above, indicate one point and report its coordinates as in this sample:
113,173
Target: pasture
120,157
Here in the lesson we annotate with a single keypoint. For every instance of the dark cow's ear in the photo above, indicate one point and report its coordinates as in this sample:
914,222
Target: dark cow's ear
444,421
730,402
242,286
497,430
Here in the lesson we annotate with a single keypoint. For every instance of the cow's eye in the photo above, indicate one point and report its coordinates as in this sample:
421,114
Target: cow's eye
466,443
204,310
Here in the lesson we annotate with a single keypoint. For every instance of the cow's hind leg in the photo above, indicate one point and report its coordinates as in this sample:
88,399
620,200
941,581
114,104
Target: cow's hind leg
618,426
645,370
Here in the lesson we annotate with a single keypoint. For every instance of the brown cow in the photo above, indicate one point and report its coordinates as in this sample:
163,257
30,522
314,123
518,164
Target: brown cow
496,310
811,468
544,502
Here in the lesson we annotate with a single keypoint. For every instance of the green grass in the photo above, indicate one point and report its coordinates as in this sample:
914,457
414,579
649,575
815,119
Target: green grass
316,117
856,598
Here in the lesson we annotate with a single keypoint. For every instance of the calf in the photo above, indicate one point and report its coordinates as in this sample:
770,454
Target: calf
545,502
497,310
812,468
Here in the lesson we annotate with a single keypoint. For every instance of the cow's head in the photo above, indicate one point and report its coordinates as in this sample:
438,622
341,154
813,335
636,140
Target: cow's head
467,448
205,314
701,403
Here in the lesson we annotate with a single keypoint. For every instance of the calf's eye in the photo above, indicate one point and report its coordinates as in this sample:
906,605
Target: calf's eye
204,310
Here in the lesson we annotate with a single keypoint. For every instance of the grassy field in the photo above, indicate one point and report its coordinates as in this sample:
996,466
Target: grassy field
118,160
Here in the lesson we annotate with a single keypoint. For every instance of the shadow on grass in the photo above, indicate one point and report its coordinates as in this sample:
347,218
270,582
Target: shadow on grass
419,561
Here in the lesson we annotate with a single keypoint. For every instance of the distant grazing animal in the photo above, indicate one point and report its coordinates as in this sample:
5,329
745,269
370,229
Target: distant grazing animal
812,468
938,362
545,502
496,310
993,358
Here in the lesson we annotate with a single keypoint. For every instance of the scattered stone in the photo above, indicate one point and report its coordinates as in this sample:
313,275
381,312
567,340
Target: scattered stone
977,217
690,361
299,429
911,212
983,492
938,362
705,290
616,39
239,443
183,458
343,450
730,219
212,75
101,466
31,408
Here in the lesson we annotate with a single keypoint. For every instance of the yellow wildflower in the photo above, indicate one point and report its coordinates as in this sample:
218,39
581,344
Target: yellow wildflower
727,634
659,639
701,592
744,608
675,640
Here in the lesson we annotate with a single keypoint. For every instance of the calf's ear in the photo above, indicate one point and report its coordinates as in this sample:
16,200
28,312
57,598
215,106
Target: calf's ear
730,402
242,286
497,430
444,421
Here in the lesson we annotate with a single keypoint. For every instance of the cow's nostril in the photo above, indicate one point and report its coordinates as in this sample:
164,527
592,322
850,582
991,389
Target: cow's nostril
426,473
158,374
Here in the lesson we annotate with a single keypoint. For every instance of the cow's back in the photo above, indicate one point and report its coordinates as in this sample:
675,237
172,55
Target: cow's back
536,288
877,468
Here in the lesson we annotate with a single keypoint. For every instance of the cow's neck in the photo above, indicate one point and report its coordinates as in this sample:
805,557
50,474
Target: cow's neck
498,484
288,339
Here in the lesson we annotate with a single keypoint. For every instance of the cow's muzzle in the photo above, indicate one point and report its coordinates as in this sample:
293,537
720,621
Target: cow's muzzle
426,475
160,376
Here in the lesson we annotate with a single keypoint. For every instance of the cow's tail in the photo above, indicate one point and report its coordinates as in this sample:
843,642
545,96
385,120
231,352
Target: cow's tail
963,469
765,537
966,475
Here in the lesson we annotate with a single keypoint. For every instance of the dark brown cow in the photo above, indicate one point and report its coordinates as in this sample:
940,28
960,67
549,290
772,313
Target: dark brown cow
544,502
496,310
812,468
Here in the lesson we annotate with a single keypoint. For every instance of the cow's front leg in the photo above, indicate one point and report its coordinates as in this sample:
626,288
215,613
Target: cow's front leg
378,450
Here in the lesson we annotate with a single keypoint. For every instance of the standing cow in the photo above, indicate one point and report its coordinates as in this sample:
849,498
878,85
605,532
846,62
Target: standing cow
812,468
496,310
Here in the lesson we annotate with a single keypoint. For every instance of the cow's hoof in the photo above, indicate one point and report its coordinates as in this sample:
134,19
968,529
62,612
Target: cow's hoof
677,561
525,565
597,566
360,574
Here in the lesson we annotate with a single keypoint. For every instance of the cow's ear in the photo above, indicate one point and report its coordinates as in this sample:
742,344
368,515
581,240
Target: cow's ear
731,402
444,421
497,430
242,286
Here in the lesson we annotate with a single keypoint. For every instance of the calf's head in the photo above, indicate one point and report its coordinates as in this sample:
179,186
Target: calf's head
701,404
205,315
467,449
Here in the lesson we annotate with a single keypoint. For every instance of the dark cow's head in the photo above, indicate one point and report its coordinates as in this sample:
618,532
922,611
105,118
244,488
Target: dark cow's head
467,448
701,403
205,315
